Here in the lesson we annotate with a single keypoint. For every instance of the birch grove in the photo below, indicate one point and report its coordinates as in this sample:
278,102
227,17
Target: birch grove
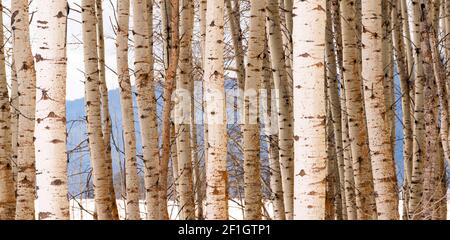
221,110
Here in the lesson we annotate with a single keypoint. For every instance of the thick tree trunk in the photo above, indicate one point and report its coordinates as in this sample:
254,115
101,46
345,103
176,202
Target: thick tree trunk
309,110
146,101
254,76
50,132
26,78
216,167
384,175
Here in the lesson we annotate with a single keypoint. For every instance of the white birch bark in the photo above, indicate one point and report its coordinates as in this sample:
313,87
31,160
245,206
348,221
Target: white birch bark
183,111
146,101
26,78
216,168
93,112
50,132
126,104
284,104
384,176
309,110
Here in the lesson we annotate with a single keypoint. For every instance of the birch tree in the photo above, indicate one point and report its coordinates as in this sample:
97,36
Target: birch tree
419,126
168,90
93,112
26,78
283,104
106,119
183,111
51,158
7,186
126,104
253,78
355,112
146,101
309,110
384,177
216,167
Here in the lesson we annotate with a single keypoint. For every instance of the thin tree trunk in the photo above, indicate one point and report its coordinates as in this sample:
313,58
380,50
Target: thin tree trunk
335,110
92,98
271,131
384,175
7,185
200,182
402,69
419,126
309,110
216,168
168,89
50,132
349,183
355,110
236,34
106,120
14,104
146,101
388,66
126,103
284,105
26,78
183,113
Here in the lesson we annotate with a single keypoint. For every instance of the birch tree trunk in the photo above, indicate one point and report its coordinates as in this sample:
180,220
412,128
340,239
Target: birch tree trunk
14,104
349,185
183,111
168,89
271,131
216,168
355,110
106,120
309,110
7,185
236,34
50,132
335,110
284,105
335,175
419,126
254,76
201,185
26,78
126,103
384,176
94,127
146,101
402,69
388,66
